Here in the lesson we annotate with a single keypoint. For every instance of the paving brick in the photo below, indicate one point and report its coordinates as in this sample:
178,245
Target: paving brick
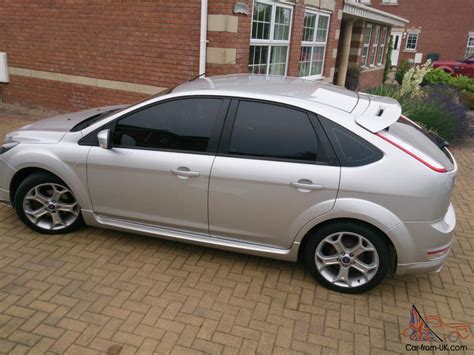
67,339
24,338
48,331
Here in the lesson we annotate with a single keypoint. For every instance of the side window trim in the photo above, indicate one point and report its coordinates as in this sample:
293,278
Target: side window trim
328,124
213,141
228,126
324,142
224,143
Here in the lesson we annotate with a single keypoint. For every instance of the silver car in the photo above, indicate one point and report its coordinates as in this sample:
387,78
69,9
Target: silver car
270,166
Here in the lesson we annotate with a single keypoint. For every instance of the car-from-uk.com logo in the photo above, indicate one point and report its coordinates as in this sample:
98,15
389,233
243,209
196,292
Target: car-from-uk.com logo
441,336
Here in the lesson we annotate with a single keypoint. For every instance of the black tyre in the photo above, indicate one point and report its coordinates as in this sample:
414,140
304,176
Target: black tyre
347,257
45,204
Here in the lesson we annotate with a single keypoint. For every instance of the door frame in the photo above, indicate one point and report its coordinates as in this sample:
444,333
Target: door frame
223,149
90,139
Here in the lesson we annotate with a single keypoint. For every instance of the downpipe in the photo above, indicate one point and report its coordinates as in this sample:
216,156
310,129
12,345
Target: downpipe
203,38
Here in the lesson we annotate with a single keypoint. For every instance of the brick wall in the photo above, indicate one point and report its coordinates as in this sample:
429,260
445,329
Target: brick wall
444,25
297,36
333,40
63,96
296,39
370,78
147,42
239,40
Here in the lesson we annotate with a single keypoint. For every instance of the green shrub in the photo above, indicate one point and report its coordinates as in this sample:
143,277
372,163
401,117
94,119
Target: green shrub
439,76
436,76
401,70
352,77
407,102
434,117
462,82
438,108
385,90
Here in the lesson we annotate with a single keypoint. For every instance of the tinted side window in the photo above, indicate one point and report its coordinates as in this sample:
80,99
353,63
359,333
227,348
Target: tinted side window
351,150
184,124
272,131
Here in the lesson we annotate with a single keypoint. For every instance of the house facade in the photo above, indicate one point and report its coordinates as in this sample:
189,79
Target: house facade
437,28
73,54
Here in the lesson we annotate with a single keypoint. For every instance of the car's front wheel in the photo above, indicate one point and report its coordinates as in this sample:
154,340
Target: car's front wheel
347,257
44,203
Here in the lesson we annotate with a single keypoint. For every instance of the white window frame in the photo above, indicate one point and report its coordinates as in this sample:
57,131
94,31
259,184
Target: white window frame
381,53
271,42
416,42
367,45
389,2
469,48
313,44
375,47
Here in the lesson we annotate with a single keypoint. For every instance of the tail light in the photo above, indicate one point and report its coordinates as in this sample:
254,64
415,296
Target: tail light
413,152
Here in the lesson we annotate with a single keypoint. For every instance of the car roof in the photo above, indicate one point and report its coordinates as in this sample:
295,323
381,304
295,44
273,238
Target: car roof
314,91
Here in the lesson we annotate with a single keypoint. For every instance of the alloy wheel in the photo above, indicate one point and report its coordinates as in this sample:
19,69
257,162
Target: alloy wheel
347,259
51,206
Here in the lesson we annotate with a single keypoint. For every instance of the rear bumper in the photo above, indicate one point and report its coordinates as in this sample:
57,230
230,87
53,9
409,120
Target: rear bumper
429,245
422,267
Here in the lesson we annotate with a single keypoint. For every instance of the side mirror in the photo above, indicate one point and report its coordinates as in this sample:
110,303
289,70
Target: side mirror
104,139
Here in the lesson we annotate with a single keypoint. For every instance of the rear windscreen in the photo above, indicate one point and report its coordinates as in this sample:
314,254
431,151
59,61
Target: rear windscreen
423,140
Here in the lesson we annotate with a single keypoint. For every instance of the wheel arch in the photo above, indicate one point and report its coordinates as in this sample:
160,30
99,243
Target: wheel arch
69,179
21,175
384,235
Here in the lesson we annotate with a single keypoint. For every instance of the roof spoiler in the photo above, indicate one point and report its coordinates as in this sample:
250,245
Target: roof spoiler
380,113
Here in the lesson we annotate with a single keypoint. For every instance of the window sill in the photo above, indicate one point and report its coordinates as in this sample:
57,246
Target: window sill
372,68
312,77
388,4
409,50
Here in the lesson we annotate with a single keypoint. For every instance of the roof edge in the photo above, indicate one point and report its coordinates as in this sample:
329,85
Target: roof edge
369,13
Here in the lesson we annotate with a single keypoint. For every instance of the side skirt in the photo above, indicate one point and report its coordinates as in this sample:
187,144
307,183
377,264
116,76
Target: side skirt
95,220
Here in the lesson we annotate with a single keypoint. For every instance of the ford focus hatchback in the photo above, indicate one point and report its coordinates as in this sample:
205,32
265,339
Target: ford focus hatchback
269,166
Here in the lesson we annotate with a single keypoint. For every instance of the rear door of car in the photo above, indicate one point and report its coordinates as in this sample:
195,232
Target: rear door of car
274,172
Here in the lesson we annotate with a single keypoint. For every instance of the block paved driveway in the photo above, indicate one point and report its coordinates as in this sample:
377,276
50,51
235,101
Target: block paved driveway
88,291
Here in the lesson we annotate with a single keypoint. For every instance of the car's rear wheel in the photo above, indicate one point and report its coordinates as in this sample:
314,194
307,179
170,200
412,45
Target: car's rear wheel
347,257
44,203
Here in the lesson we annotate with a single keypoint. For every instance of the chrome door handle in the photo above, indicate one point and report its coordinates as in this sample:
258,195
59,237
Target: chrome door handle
306,185
184,172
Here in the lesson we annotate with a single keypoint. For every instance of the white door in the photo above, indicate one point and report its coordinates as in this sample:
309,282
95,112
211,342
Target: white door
396,43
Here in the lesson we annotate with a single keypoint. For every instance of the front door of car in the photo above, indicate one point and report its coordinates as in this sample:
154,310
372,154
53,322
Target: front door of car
157,171
273,174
